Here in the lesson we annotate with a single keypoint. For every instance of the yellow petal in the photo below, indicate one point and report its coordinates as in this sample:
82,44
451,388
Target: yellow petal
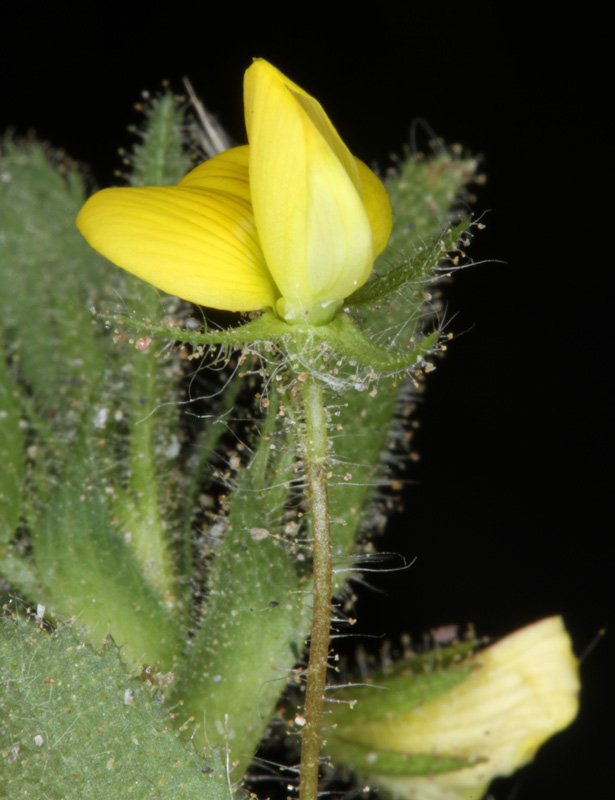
227,172
197,243
377,204
306,190
523,691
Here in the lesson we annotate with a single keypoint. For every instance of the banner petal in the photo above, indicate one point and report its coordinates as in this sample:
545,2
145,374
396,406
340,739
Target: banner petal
306,187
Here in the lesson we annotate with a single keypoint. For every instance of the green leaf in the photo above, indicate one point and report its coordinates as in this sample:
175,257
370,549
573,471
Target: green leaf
255,605
161,158
74,726
90,573
393,310
427,192
76,381
49,278
12,456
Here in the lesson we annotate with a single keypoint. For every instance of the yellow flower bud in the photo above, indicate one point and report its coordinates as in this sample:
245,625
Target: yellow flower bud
517,694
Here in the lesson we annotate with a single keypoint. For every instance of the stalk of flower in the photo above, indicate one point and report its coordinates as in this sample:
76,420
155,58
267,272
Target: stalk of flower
291,224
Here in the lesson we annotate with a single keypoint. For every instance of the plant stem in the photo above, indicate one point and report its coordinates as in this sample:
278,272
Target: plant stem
316,465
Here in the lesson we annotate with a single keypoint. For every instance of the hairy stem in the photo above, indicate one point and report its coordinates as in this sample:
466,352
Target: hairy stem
316,464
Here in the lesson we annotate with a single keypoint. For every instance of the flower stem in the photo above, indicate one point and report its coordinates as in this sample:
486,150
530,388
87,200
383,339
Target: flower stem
316,465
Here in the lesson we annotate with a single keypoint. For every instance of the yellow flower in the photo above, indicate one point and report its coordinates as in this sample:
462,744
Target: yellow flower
293,221
519,692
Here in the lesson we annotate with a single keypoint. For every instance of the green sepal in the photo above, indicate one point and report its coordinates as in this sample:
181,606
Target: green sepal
366,760
437,659
389,696
363,710
341,337
75,726
419,267
408,683
344,337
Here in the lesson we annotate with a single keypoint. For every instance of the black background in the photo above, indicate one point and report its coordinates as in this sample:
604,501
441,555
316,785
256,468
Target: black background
507,509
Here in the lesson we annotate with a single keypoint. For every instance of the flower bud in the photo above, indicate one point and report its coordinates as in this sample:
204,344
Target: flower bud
446,734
